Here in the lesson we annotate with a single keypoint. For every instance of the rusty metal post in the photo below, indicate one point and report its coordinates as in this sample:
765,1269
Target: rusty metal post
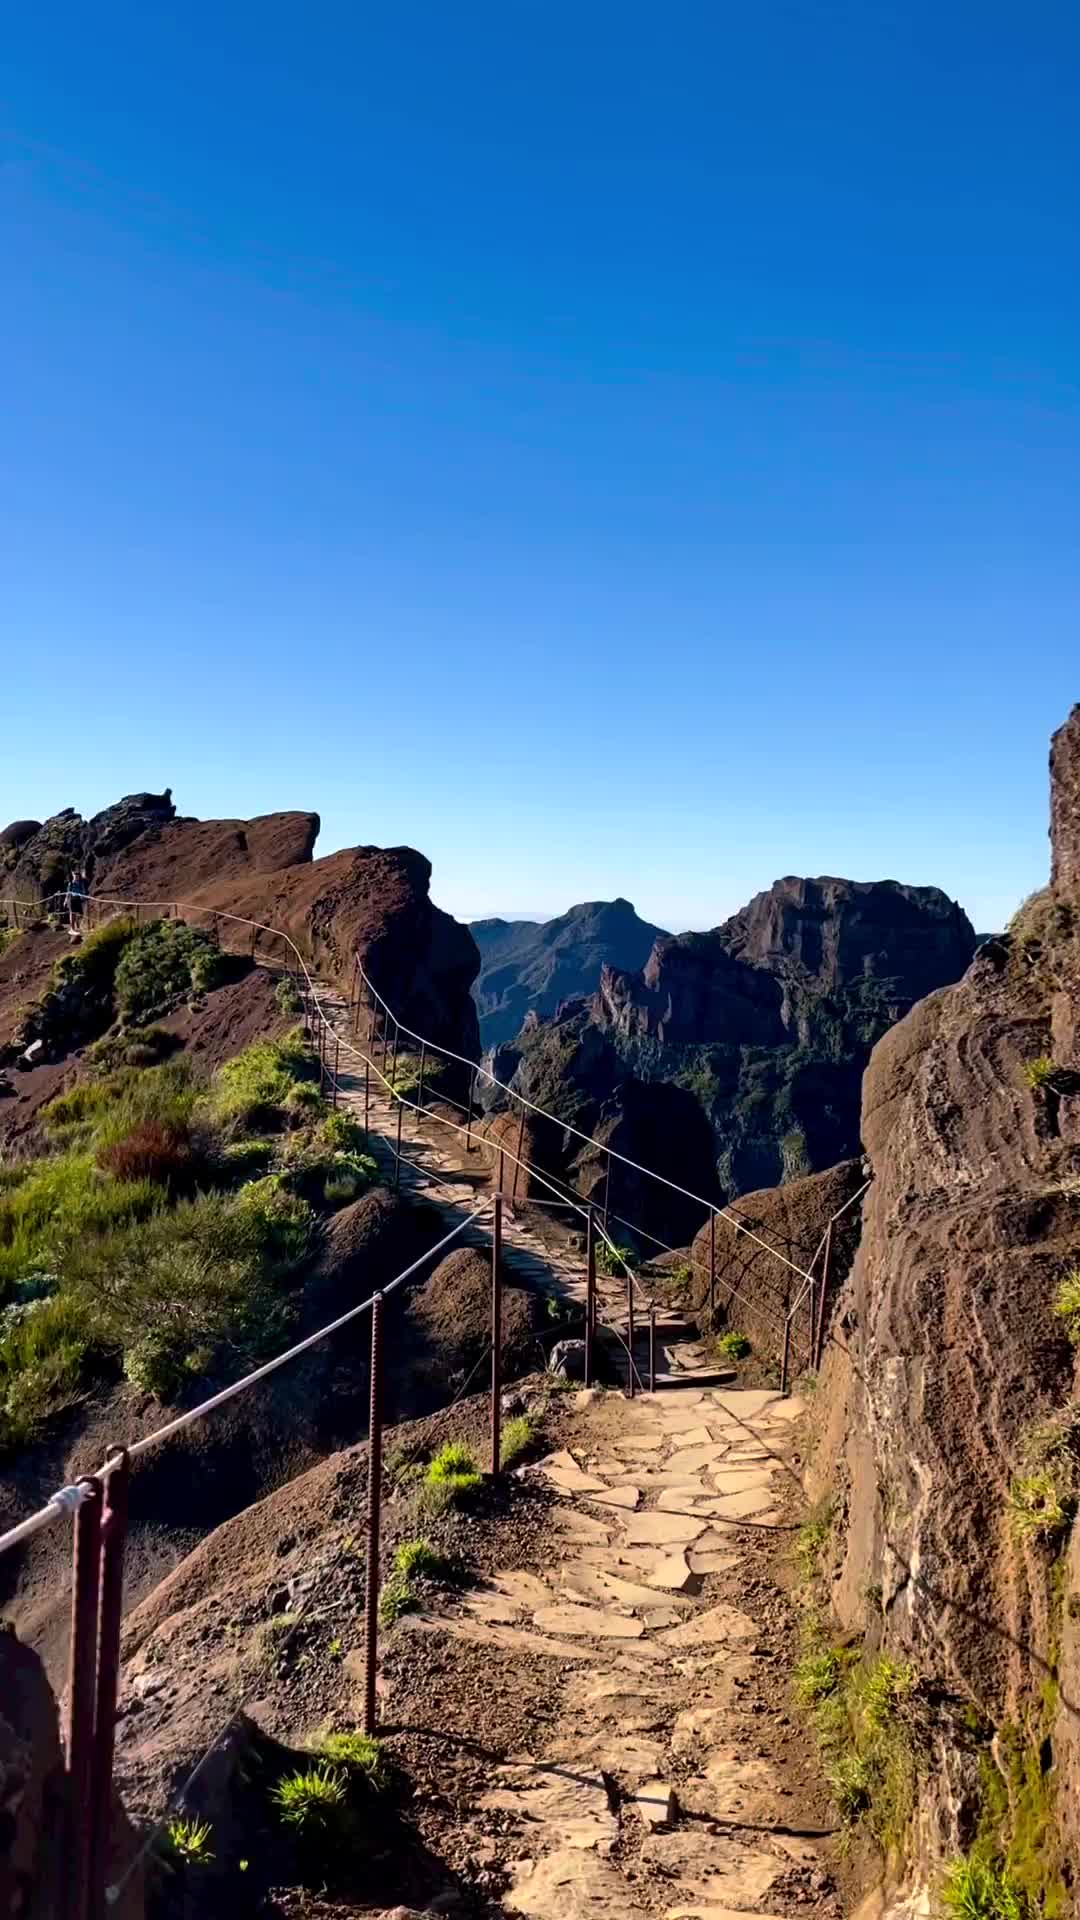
322,1051
337,1062
82,1672
254,938
367,1095
496,1339
393,1065
590,1296
630,1329
420,1083
397,1163
712,1266
374,1517
517,1160
499,1182
652,1347
785,1361
114,1521
823,1289
468,1123
607,1190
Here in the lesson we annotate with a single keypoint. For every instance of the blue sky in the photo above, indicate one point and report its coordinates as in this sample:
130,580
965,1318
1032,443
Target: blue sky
614,449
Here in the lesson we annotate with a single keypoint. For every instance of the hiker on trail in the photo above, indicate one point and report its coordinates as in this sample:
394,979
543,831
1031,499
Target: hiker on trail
75,898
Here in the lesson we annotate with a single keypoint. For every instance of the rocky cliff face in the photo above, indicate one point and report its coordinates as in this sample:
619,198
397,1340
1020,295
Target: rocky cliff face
952,1422
530,967
570,1068
374,900
769,1019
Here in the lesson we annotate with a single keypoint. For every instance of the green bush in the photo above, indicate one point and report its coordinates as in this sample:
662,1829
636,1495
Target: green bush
358,1753
285,994
343,1134
247,1159
517,1437
58,1207
188,1841
162,962
196,1287
614,1259
414,1560
1039,1507
91,967
43,1355
305,1098
312,1800
451,1476
1039,1073
1067,1304
863,1717
975,1889
251,1089
733,1346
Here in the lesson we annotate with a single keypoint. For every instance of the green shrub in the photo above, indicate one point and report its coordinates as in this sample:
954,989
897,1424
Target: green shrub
59,1207
419,1559
1039,1507
162,962
252,1088
247,1159
517,1437
975,1889
613,1259
733,1346
813,1538
91,967
886,1685
1067,1304
818,1674
188,1841
98,1113
358,1753
312,1800
416,1559
451,1476
1039,1073
43,1356
305,1098
198,1286
343,1134
285,994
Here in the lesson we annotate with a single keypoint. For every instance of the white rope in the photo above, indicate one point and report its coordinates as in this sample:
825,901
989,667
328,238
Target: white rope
68,1498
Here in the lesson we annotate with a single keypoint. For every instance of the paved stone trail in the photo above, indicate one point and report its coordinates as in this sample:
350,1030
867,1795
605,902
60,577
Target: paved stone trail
437,1167
651,1798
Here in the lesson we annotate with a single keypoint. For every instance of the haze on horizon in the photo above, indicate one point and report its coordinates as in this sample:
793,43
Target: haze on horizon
614,454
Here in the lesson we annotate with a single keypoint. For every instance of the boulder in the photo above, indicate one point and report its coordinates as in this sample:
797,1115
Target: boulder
567,1359
449,1318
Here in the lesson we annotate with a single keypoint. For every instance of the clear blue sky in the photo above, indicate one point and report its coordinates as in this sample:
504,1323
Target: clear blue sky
614,449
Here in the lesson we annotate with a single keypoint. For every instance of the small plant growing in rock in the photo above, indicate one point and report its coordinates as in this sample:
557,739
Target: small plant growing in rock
286,996
517,1437
1039,1074
1067,1304
813,1537
733,1346
817,1675
887,1684
414,1560
613,1259
975,1889
1037,1508
451,1476
358,1753
188,1841
312,1799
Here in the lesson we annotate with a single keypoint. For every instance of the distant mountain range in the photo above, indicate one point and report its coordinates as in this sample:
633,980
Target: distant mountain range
530,966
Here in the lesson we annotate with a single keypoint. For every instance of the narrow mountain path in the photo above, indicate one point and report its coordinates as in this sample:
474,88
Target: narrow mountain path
438,1168
651,1790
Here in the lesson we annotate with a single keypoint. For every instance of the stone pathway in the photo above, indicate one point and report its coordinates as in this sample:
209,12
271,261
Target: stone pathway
437,1167
651,1797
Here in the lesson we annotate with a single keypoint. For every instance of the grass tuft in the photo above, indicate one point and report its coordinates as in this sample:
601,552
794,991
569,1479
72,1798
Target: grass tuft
358,1753
975,1889
733,1346
517,1437
188,1841
312,1799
